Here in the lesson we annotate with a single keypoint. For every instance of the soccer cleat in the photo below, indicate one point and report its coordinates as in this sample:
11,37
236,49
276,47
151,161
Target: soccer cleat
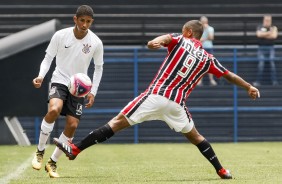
37,160
69,149
51,169
224,174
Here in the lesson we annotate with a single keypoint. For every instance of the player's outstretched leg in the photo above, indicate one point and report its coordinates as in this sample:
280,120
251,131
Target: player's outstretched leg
207,151
96,136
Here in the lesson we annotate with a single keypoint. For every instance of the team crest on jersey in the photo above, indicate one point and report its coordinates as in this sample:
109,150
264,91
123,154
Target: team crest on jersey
86,48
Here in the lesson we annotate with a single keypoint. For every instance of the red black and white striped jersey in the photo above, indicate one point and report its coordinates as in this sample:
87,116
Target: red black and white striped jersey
184,65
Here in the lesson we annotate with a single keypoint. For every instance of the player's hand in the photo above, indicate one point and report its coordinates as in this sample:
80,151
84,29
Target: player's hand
155,45
253,92
90,98
37,82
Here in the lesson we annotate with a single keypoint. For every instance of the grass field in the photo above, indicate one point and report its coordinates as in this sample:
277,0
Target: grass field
148,163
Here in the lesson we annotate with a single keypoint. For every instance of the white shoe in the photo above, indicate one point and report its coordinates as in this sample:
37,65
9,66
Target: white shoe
51,169
37,160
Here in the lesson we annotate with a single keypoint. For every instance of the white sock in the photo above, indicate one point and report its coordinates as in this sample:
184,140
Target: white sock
46,129
57,152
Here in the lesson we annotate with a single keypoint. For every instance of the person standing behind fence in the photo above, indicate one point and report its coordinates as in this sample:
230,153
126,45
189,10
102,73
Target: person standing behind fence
267,34
207,42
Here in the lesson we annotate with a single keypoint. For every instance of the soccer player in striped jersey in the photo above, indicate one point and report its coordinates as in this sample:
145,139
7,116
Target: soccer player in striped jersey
185,64
74,48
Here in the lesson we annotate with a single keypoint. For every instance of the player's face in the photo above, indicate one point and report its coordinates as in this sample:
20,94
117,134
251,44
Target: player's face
83,23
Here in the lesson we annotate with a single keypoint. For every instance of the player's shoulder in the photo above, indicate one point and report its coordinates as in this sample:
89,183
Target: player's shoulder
174,35
94,37
64,31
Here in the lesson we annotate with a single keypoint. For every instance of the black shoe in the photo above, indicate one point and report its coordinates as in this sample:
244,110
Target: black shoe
69,149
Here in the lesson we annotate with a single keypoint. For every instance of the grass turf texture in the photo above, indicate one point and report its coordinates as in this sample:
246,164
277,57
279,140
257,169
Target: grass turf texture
151,163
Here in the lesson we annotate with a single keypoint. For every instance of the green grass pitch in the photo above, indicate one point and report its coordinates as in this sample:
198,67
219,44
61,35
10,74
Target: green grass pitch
259,162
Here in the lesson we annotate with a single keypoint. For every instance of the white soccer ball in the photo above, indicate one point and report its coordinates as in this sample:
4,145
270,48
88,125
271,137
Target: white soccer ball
80,85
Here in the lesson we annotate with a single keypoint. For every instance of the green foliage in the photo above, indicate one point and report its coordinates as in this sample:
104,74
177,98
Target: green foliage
150,164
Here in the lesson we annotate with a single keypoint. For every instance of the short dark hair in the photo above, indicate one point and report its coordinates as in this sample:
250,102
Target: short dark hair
196,26
84,10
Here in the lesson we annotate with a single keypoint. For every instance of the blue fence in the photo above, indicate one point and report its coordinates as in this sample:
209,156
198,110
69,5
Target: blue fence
231,57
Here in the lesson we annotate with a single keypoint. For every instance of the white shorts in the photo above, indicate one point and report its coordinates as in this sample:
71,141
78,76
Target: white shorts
156,107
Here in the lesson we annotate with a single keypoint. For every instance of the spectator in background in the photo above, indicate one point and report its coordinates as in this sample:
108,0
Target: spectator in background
206,39
267,34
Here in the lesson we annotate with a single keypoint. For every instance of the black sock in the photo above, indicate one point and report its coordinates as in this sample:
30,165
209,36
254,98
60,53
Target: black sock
96,136
206,149
52,160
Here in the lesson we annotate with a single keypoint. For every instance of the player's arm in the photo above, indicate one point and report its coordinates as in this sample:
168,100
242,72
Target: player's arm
237,80
97,75
44,68
159,41
51,52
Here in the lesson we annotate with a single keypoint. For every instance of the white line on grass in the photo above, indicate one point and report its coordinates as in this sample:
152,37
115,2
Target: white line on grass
17,172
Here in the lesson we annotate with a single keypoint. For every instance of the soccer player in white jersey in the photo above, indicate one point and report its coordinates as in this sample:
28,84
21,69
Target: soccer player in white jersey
164,99
74,48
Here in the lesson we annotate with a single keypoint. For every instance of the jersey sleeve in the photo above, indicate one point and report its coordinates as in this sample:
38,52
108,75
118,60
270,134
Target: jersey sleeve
216,68
174,40
98,72
53,46
45,65
99,54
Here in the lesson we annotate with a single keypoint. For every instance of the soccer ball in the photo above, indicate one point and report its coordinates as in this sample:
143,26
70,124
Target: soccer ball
80,85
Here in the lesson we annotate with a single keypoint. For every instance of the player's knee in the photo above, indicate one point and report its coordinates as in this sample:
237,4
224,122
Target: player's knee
118,123
54,111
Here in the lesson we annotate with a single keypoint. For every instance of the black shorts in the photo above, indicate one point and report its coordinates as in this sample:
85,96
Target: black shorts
72,105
